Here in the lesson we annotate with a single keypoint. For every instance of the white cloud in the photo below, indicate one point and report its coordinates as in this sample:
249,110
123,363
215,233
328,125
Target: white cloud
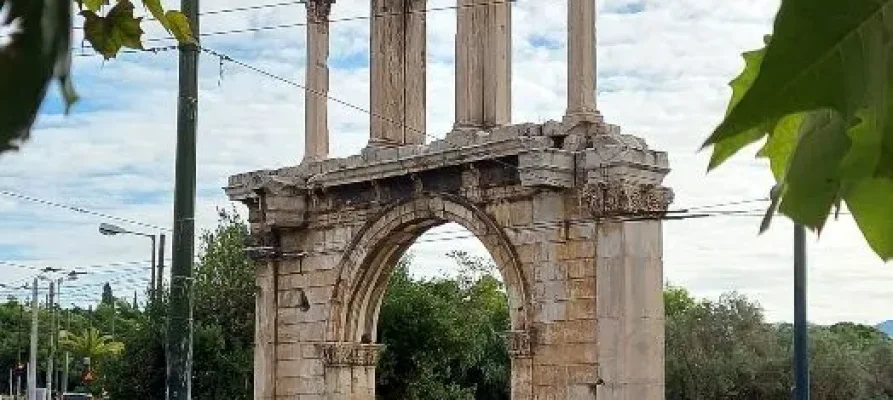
663,75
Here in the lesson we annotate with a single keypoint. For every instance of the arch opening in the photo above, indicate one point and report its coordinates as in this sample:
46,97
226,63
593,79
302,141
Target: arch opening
367,270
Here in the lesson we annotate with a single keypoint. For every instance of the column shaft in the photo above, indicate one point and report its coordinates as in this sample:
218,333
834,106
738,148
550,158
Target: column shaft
483,64
581,61
398,72
316,141
415,71
498,64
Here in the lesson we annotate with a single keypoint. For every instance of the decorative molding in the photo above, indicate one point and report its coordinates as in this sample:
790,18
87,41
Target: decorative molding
619,198
349,354
520,344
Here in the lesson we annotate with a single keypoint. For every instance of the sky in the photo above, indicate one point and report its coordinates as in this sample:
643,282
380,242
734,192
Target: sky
664,68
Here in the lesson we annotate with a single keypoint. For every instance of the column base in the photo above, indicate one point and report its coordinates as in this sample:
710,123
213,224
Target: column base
378,143
573,118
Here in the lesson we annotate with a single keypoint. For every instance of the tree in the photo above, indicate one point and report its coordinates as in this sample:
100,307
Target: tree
107,296
224,312
35,47
444,338
821,93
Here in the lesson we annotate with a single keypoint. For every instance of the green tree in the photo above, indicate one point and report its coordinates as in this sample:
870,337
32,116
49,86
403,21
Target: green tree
108,297
821,94
444,338
224,291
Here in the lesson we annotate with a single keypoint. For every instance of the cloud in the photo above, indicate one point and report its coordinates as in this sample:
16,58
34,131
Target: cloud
663,72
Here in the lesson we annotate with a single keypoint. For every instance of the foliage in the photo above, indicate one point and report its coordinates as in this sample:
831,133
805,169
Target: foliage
444,338
821,92
725,350
39,49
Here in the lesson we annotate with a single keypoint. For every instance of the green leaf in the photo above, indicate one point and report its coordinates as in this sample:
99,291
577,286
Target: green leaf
727,147
823,92
123,27
39,51
816,43
118,29
811,183
94,5
157,10
179,26
781,144
870,202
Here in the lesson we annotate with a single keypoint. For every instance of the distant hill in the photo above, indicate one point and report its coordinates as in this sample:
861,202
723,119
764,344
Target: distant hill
887,327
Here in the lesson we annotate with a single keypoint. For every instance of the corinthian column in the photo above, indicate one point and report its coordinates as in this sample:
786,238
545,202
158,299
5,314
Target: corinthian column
316,136
581,61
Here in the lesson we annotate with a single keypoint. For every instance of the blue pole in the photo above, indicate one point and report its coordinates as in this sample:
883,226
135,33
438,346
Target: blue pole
801,329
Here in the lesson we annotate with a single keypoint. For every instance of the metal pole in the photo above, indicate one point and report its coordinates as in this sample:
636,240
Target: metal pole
179,329
801,329
152,266
160,289
67,357
32,359
52,337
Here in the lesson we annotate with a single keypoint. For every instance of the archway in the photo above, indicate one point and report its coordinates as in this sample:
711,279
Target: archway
380,244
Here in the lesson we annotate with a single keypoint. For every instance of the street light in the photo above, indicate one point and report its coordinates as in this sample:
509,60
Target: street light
111,230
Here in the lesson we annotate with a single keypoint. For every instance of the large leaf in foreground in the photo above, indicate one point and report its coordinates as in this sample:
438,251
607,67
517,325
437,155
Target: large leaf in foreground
36,52
822,92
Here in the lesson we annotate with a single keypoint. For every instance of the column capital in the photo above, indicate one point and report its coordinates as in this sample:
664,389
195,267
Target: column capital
318,11
342,354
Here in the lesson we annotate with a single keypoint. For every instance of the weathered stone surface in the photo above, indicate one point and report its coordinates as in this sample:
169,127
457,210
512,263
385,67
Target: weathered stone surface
570,212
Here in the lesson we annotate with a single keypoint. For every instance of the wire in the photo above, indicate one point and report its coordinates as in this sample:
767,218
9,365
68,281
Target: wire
230,10
346,19
154,50
79,210
354,106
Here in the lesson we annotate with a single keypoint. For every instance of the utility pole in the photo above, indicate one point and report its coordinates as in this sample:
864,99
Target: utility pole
52,310
32,359
160,289
801,329
67,356
179,329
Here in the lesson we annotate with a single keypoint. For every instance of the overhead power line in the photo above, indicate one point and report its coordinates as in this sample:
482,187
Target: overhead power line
339,20
79,210
234,10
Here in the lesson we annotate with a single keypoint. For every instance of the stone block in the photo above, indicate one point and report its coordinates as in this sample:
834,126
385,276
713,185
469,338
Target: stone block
553,128
547,167
581,309
581,288
580,268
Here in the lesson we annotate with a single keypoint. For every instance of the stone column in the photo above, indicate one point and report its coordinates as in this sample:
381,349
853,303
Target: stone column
498,64
398,72
415,71
581,61
316,136
483,65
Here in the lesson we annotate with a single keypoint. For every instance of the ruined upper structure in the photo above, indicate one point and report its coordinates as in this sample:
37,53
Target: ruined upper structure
569,210
483,70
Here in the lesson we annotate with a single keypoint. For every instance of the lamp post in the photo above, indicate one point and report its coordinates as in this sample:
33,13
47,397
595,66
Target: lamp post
111,230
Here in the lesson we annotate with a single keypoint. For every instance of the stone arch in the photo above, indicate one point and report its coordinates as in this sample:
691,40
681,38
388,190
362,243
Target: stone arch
371,257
